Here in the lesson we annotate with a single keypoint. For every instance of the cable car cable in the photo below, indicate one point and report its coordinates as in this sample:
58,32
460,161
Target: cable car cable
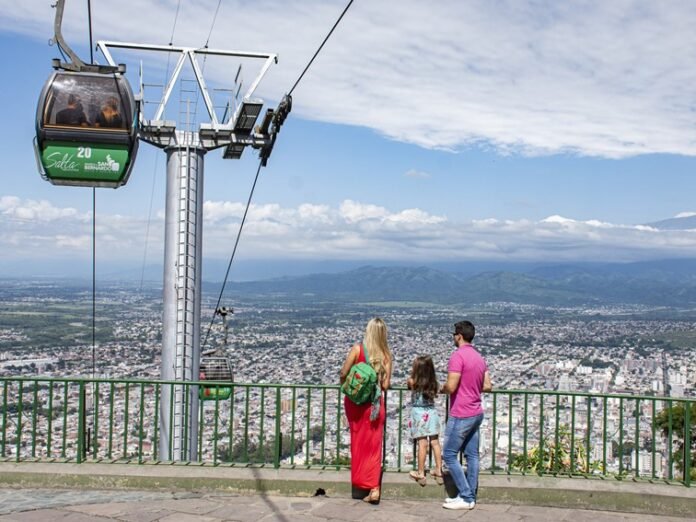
149,219
234,250
154,172
321,46
205,58
94,252
94,222
262,162
212,25
176,17
94,281
89,23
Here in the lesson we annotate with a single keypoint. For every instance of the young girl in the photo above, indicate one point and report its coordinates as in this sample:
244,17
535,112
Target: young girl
424,421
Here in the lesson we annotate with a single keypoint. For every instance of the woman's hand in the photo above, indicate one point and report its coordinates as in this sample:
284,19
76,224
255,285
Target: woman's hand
351,358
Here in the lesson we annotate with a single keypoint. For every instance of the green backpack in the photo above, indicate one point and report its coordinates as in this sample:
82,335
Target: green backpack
361,384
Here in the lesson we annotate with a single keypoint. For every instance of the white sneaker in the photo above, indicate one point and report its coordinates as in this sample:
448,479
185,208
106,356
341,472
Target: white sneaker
458,503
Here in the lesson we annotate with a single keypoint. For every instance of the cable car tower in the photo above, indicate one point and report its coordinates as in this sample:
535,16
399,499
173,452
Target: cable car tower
183,246
186,150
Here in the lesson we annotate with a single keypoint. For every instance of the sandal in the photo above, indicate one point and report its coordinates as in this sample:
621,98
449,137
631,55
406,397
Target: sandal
418,478
373,497
438,478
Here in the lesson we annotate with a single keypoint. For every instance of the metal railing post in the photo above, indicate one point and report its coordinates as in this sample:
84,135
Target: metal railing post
278,436
493,431
4,418
81,424
18,431
687,444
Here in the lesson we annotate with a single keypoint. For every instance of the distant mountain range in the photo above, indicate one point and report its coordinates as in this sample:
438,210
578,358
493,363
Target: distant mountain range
687,222
668,283
661,283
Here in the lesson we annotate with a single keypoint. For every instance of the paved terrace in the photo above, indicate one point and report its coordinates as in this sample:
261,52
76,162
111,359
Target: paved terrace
177,493
42,505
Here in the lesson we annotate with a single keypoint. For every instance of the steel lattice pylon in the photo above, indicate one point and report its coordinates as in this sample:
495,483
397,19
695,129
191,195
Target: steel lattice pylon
186,150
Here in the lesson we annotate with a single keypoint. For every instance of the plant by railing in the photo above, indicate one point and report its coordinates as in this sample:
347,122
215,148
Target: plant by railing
567,457
674,422
540,432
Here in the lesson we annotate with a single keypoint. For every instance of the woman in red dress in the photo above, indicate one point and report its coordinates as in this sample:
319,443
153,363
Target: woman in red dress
366,435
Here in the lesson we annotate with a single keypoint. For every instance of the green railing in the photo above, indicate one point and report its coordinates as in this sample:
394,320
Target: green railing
279,425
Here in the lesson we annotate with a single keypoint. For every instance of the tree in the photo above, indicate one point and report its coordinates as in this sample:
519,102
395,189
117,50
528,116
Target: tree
317,433
662,422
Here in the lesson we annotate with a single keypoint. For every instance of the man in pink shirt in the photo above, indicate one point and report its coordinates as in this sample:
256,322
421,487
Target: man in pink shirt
467,377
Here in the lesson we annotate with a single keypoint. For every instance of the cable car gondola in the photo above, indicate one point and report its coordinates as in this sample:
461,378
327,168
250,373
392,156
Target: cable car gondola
215,367
86,129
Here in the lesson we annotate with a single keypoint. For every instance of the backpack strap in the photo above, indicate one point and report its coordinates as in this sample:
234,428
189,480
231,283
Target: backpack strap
367,357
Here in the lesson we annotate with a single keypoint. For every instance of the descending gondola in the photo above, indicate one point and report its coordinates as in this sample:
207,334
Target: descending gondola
215,367
86,122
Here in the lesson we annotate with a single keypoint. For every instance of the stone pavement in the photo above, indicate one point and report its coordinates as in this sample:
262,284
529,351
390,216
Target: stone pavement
77,505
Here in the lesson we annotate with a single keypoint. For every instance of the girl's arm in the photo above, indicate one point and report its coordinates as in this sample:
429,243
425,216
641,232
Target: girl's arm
409,383
352,356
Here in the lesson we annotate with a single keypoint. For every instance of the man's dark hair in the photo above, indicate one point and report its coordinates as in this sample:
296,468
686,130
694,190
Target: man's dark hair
466,330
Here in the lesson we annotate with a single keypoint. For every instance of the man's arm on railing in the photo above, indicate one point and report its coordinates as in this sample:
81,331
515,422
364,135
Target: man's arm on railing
487,385
452,383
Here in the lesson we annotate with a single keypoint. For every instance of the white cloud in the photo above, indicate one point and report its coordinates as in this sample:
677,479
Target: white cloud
414,216
419,174
594,78
685,215
31,210
36,229
353,212
353,230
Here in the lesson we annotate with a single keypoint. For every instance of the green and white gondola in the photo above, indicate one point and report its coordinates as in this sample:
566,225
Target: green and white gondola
86,129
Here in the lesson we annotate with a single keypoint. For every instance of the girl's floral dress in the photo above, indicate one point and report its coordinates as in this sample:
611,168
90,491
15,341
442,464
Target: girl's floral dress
424,421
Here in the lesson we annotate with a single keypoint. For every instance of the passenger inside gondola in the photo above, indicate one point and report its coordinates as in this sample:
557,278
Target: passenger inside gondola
109,115
73,114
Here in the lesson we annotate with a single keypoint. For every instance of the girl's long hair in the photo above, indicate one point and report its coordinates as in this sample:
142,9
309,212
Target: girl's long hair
423,376
375,342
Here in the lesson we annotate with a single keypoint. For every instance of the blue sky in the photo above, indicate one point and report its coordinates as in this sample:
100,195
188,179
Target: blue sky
506,131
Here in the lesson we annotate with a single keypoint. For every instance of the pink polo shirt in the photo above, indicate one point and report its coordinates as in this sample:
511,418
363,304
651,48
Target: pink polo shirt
466,400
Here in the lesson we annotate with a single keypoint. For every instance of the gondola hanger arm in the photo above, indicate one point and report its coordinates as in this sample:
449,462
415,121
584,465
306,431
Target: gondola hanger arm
76,64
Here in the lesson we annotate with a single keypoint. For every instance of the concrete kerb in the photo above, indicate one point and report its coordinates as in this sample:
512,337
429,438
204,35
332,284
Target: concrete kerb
578,493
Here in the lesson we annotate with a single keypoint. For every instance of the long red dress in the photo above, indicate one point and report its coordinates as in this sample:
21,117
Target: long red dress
365,441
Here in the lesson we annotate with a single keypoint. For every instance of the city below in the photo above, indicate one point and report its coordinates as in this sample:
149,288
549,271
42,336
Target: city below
632,350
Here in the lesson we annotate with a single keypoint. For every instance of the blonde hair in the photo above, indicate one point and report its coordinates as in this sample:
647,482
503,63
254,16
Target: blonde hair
375,342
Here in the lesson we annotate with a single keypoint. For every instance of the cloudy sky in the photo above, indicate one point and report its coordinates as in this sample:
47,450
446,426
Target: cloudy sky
440,131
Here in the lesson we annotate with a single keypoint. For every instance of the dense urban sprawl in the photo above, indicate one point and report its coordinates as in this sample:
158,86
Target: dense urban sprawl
597,377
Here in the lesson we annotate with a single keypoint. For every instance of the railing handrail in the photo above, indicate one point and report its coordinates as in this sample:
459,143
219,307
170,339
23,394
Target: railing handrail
499,391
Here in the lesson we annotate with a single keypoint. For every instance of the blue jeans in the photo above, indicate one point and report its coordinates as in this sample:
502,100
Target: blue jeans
462,434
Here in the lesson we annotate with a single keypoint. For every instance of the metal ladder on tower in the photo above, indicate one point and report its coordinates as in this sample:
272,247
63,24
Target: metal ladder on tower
185,298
